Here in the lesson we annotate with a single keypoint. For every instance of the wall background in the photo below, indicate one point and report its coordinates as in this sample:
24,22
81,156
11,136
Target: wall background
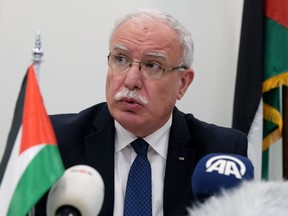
75,36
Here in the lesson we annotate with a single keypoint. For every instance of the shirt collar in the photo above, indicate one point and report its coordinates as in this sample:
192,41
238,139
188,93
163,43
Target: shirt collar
157,140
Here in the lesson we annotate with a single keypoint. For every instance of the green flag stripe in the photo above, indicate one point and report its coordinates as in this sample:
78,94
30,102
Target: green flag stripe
276,46
265,164
41,173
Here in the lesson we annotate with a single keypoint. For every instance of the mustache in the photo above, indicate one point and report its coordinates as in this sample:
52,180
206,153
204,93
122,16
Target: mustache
131,94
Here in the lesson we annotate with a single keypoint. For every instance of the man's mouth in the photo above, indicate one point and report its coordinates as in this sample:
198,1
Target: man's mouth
129,100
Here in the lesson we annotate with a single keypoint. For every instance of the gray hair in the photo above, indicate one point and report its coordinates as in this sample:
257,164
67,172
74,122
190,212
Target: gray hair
185,37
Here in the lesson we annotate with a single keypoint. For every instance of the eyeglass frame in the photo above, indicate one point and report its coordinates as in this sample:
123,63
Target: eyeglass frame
164,70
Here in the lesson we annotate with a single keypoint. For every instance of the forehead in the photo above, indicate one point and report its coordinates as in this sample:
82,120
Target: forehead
140,36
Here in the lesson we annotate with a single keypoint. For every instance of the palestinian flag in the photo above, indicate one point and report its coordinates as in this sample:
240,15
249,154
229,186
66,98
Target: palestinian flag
262,71
31,161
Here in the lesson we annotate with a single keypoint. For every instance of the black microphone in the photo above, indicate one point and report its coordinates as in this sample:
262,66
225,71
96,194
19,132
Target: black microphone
79,192
216,172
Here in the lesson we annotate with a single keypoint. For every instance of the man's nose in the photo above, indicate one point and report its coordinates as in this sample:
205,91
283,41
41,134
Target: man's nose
133,78
136,63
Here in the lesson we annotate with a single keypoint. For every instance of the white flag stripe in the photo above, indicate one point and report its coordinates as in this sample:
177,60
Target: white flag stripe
255,142
16,166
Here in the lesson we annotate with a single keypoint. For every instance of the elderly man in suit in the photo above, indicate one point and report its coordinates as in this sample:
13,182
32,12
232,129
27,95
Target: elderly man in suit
149,59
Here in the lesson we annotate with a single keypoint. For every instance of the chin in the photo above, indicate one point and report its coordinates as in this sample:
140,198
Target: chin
134,124
128,119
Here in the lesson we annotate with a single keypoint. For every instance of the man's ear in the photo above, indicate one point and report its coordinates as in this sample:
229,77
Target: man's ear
187,77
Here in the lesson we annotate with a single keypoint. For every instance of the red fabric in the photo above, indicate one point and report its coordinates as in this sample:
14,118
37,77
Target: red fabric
277,10
36,125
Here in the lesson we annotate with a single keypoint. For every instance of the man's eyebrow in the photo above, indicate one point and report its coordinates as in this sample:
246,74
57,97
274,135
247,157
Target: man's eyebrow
120,47
150,54
155,55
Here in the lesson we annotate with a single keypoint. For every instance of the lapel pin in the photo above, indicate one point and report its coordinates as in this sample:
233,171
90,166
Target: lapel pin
181,158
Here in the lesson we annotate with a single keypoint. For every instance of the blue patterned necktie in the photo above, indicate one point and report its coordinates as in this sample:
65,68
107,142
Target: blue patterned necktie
138,198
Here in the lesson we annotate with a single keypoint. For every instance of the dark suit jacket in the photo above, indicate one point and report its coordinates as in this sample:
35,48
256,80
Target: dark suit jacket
88,138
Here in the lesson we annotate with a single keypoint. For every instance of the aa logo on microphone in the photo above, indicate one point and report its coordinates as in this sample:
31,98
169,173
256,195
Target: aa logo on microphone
226,165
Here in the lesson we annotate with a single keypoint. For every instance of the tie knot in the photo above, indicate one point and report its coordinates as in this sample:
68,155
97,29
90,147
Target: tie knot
140,146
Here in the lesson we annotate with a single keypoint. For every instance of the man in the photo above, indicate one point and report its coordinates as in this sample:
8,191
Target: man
150,57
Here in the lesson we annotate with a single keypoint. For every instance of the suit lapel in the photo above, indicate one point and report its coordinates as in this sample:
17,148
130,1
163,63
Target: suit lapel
100,155
179,167
99,144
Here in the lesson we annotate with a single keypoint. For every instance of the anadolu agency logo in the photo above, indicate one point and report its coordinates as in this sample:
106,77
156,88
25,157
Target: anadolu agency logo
226,165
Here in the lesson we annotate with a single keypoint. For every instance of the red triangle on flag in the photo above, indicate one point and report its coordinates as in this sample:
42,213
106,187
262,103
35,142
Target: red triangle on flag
36,125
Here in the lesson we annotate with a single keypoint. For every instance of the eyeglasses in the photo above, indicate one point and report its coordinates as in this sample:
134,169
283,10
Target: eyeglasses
150,69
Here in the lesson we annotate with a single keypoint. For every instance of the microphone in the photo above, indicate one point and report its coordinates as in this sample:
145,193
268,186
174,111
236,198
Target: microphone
216,172
80,191
255,198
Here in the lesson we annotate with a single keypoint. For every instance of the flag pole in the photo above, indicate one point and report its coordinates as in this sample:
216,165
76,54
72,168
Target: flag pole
37,54
284,131
37,59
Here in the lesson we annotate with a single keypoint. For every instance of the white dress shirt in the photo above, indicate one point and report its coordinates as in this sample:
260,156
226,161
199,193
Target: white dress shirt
124,157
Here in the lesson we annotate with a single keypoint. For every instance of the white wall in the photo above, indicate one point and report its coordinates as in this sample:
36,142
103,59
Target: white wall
75,38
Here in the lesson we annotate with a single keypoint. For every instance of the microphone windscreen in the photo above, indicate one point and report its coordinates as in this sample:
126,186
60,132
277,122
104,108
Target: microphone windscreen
215,172
81,187
255,198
